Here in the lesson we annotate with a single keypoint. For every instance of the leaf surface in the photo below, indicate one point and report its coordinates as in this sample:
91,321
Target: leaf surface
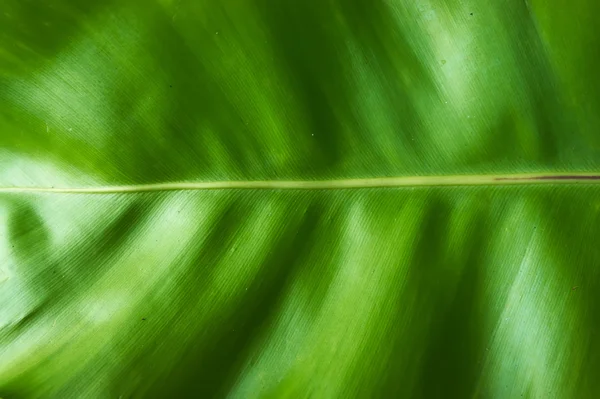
331,198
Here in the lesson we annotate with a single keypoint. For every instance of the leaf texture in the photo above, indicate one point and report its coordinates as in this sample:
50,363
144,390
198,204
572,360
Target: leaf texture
191,199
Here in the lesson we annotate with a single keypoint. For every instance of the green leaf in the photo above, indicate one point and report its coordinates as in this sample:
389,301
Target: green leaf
252,198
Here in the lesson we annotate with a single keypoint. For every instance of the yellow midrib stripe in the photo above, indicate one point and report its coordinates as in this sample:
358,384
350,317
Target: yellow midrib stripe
404,181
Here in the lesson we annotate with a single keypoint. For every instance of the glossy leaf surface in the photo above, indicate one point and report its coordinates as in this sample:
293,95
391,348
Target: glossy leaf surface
451,281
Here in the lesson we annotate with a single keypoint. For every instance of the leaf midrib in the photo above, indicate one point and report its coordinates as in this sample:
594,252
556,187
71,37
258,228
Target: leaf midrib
379,182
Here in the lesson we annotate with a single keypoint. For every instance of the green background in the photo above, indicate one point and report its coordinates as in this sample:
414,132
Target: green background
424,292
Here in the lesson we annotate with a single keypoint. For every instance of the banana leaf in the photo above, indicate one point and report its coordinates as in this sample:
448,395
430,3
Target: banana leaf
299,198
